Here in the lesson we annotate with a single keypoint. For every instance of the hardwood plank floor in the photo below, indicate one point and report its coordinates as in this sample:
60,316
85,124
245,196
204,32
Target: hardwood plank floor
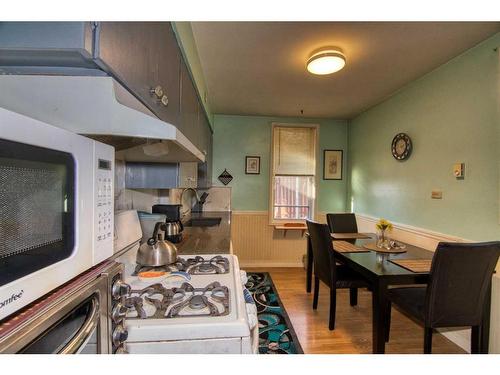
352,333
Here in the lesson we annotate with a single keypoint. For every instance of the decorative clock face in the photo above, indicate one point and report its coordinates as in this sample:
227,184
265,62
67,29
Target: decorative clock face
401,146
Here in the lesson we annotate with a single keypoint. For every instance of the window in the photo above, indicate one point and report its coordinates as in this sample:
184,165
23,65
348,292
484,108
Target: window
293,172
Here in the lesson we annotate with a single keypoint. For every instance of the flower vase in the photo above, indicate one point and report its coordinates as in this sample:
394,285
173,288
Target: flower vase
383,239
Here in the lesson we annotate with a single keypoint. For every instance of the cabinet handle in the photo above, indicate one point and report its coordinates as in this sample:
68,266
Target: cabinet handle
164,100
157,91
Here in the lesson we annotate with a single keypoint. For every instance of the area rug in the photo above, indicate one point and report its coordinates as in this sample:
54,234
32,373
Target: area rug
276,334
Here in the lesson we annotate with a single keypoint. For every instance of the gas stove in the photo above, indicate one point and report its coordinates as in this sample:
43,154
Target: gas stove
203,311
157,302
197,307
193,266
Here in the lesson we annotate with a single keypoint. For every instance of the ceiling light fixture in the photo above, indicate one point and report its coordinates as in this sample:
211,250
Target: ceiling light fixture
326,61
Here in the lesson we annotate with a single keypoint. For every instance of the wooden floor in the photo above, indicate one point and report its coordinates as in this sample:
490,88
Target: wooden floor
352,333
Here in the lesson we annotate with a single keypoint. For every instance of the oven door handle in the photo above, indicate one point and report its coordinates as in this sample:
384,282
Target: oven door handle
83,335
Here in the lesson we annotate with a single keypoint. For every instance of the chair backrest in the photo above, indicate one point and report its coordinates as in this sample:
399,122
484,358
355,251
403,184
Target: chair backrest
342,223
322,248
460,277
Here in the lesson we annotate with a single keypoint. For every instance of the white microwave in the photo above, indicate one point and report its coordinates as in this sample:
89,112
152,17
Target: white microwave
56,207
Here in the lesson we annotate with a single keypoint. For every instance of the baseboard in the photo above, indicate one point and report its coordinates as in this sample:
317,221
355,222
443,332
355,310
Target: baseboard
426,239
267,264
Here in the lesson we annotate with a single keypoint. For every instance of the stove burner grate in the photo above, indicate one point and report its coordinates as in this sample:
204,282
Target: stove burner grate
194,266
185,301
215,265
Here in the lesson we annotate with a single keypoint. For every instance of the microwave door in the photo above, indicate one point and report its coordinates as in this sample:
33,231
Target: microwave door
71,334
37,223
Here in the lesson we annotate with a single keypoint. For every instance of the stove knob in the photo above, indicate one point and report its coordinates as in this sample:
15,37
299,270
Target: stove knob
118,313
120,335
119,289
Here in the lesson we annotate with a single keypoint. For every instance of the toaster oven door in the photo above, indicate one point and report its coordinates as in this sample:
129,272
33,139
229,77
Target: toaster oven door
76,324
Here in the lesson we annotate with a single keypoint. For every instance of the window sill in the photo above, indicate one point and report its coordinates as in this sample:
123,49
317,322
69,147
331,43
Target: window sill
285,227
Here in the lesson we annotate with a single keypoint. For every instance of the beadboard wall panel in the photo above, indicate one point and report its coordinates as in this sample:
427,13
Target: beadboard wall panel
258,244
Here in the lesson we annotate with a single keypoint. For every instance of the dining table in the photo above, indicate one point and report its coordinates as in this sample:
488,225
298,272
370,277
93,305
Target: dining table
381,275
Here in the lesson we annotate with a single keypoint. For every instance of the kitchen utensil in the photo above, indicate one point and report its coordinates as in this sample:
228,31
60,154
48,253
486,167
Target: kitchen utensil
156,251
152,276
198,207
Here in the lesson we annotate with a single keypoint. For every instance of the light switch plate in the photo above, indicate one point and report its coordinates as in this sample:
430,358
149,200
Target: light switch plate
437,194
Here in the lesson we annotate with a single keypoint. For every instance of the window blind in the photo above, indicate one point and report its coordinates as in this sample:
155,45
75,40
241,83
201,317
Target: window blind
294,151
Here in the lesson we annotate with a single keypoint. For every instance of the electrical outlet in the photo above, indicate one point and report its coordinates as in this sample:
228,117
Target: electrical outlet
437,194
459,170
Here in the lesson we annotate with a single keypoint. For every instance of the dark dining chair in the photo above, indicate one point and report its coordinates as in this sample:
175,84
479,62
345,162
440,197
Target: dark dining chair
342,223
326,269
455,296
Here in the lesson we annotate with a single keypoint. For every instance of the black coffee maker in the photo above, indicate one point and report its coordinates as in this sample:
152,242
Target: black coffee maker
173,224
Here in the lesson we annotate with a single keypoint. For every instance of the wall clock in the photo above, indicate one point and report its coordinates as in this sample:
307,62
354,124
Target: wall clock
401,146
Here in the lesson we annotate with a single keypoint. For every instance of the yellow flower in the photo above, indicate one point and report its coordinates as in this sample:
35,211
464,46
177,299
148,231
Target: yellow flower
383,224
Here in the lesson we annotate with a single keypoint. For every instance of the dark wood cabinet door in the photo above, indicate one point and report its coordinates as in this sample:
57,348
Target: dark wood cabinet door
144,56
189,108
169,74
205,169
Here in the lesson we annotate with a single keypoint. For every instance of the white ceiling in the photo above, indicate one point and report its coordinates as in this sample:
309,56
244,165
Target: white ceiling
258,68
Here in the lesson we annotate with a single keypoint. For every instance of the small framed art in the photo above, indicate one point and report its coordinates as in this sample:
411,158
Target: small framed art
252,165
332,164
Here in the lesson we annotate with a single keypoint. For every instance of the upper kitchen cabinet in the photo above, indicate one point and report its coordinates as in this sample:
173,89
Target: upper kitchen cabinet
145,57
205,169
189,124
46,46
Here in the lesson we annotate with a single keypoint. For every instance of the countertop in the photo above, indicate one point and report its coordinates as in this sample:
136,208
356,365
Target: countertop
206,240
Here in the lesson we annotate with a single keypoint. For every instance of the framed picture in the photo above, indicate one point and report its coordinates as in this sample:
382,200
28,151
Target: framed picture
332,167
252,164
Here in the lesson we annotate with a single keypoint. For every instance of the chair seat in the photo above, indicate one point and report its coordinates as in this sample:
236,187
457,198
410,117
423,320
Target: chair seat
410,299
347,278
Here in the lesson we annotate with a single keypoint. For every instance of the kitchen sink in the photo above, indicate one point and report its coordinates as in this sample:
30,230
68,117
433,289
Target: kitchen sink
203,222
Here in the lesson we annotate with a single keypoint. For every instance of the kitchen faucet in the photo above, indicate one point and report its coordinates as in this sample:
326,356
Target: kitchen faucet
196,196
198,207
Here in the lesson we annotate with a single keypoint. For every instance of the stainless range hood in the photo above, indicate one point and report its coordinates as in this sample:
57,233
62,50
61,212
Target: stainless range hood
100,108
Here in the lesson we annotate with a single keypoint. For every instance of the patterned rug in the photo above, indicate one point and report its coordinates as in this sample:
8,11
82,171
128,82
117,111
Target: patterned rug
276,334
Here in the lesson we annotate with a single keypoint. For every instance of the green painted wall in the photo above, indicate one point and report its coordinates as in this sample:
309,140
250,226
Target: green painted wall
451,114
238,136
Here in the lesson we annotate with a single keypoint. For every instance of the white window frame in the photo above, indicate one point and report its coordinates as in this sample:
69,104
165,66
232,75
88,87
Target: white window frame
272,220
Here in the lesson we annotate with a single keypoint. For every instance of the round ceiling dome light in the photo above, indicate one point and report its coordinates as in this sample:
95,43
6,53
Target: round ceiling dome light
326,61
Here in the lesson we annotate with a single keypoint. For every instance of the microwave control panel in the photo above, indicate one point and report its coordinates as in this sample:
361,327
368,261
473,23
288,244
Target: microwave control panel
104,210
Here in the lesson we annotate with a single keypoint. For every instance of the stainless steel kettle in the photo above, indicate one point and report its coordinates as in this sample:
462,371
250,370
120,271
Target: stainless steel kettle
156,251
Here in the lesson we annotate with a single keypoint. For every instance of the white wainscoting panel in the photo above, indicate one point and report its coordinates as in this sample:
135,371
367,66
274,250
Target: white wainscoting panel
495,315
423,238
